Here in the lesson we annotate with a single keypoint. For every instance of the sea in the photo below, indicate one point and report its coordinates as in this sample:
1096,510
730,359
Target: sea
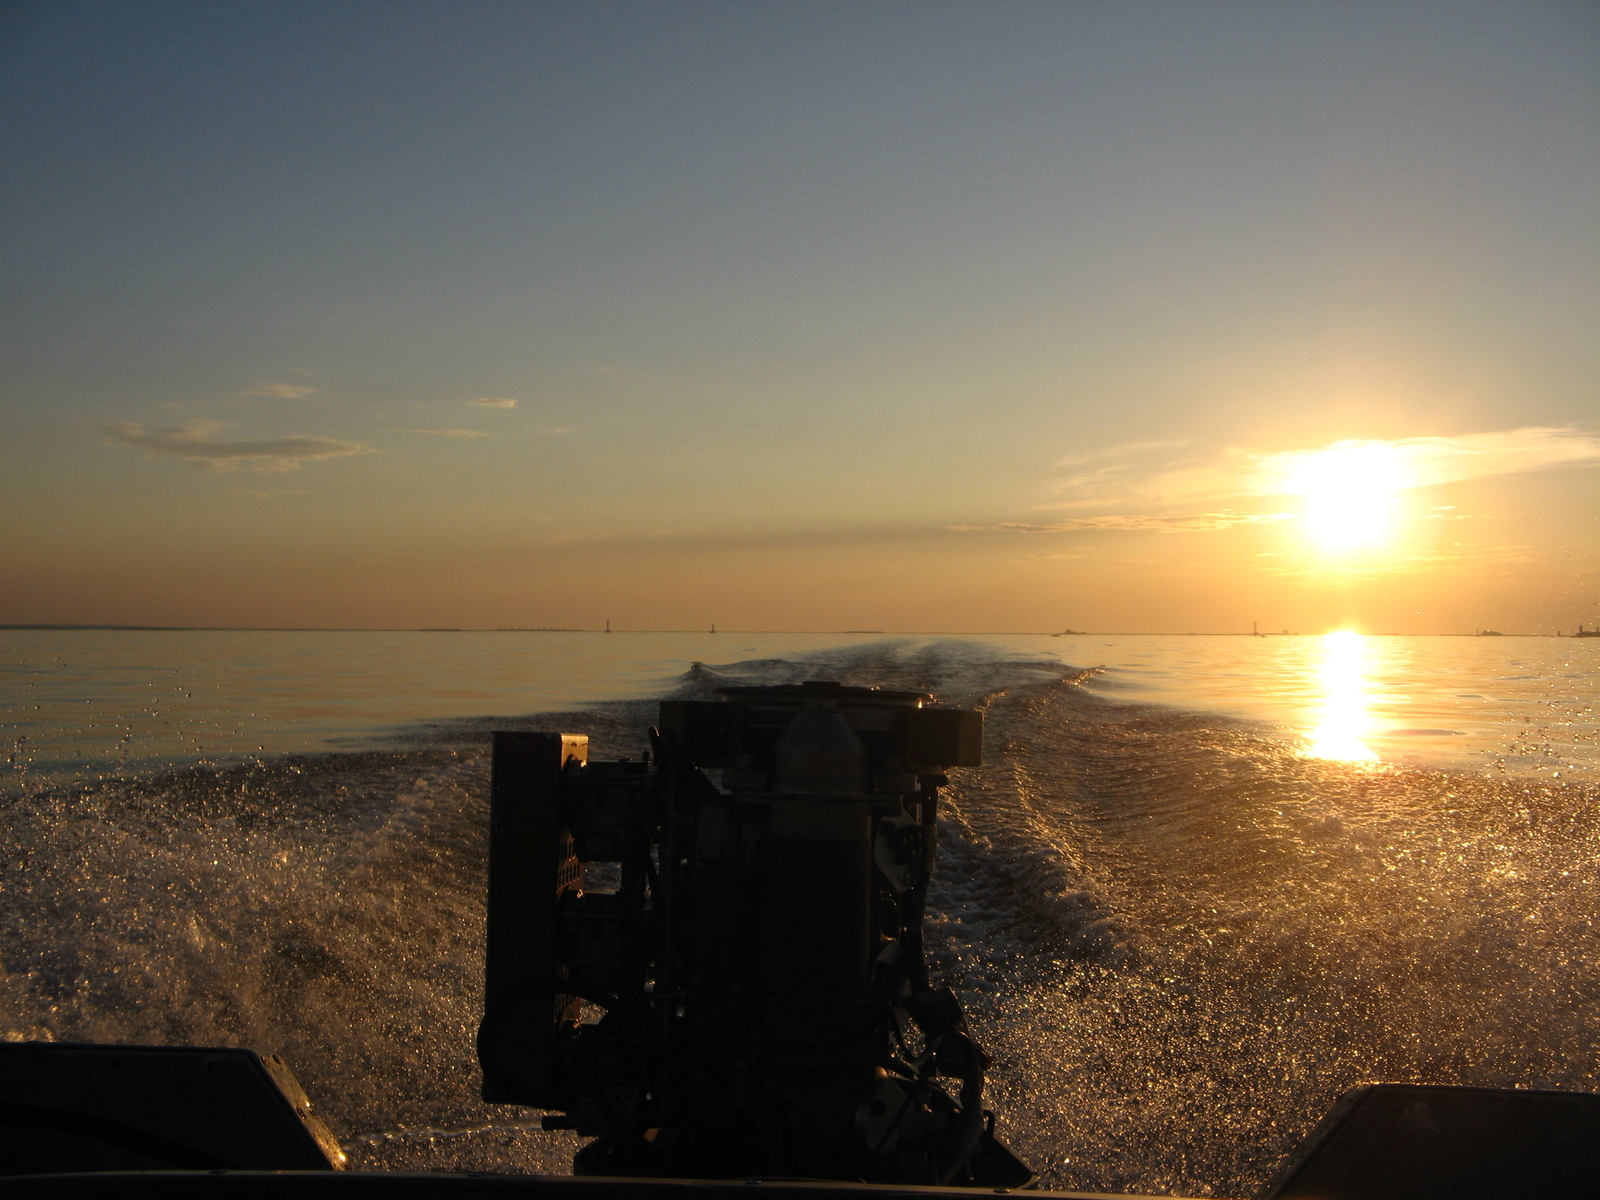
1201,886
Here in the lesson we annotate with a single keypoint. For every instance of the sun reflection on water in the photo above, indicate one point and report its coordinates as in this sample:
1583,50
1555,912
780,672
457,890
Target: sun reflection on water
1344,721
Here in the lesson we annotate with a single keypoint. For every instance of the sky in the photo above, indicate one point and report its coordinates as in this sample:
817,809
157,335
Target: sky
1127,317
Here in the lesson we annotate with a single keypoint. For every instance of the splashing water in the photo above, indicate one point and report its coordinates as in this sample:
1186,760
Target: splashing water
1180,935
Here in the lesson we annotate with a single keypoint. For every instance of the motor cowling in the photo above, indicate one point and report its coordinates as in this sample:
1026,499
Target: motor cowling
722,973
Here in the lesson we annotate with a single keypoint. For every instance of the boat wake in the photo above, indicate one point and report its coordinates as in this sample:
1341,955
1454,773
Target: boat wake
1179,939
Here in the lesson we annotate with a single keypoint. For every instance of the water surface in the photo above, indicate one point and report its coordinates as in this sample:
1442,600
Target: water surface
103,703
1200,887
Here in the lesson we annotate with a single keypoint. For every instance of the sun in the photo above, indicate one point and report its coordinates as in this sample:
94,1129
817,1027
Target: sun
1351,492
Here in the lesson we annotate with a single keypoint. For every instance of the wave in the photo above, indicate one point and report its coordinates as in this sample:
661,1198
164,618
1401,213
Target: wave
1179,939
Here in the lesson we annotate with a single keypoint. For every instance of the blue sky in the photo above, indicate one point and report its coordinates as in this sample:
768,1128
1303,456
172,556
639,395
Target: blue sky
805,309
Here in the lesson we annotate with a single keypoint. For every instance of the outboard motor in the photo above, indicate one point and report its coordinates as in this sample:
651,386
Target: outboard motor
711,960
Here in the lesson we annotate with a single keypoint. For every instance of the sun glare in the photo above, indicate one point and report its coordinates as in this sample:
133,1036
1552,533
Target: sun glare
1342,674
1351,494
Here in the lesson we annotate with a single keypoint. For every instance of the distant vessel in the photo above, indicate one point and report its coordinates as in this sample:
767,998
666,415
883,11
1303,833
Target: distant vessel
1490,633
1064,632
1582,632
608,624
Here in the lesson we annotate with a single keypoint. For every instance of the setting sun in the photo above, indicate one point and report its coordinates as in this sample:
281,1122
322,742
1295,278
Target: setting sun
1351,493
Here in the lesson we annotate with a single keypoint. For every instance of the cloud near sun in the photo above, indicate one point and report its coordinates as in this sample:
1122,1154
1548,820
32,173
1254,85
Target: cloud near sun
196,442
1428,461
1339,474
1403,463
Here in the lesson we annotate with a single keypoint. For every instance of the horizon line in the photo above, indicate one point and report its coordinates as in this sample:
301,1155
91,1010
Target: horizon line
64,628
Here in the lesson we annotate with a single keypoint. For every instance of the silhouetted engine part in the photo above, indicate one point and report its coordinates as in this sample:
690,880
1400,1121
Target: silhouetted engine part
726,978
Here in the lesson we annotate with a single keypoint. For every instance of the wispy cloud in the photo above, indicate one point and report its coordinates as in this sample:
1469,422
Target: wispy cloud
1126,450
1429,461
1112,474
197,443
1123,479
1168,523
493,402
282,391
543,430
